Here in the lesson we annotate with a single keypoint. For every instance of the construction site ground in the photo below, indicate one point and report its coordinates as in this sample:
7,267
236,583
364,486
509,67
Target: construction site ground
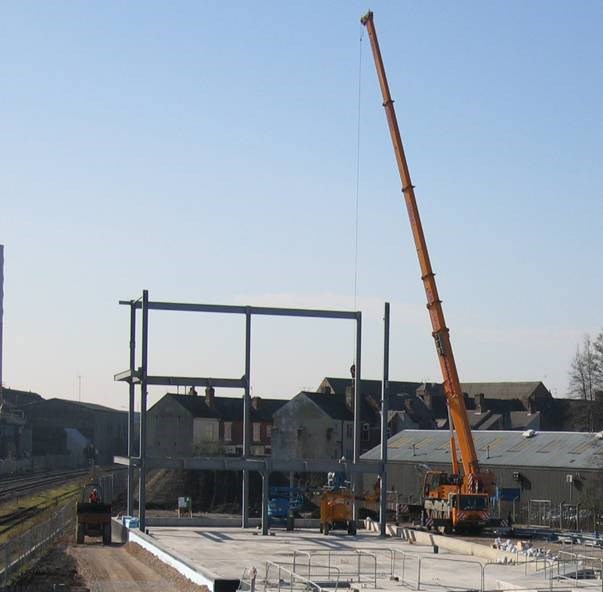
228,553
97,568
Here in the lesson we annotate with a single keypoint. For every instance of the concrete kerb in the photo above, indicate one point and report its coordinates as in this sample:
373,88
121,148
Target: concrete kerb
453,544
174,521
203,578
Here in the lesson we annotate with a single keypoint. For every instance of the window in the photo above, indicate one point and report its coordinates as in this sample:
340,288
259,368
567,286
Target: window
366,432
268,432
211,432
228,431
473,502
256,431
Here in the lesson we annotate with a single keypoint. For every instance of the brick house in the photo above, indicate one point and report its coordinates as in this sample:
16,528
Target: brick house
194,425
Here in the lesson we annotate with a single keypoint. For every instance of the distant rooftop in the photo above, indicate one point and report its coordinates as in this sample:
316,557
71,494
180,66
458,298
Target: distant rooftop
566,450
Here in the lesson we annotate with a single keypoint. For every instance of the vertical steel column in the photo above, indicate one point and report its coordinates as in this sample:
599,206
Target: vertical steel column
265,488
142,474
132,389
1,312
384,414
246,420
357,399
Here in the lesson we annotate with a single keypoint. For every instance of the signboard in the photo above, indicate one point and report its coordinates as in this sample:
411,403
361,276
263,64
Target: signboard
508,494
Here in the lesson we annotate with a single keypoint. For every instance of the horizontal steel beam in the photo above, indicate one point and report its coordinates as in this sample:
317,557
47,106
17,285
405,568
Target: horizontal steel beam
237,463
127,376
254,310
196,381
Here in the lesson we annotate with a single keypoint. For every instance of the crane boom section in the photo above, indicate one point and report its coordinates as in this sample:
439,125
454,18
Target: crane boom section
452,386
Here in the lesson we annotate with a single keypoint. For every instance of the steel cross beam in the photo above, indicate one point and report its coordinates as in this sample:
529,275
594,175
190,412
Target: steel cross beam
261,464
254,310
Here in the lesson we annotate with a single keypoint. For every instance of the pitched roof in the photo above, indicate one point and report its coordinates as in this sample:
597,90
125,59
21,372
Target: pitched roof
55,401
227,408
369,386
20,398
333,404
566,450
501,390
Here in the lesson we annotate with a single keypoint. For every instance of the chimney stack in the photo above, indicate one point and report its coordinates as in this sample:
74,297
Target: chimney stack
209,396
255,402
480,406
424,392
349,397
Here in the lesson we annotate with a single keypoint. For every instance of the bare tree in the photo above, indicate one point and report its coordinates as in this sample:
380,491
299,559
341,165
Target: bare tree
598,361
583,371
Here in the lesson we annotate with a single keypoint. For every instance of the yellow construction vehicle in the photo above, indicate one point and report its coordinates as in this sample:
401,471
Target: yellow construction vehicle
336,501
92,515
459,500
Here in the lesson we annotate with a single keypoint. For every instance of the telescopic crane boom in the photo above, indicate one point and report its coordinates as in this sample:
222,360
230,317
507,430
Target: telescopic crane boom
473,481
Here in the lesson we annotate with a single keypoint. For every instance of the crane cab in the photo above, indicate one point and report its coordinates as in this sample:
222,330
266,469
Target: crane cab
449,507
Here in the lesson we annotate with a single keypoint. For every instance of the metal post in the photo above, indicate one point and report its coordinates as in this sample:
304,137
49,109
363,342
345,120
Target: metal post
1,311
357,399
142,474
384,414
132,388
290,515
265,486
246,420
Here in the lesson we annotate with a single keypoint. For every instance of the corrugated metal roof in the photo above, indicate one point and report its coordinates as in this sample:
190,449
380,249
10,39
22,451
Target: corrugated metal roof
571,450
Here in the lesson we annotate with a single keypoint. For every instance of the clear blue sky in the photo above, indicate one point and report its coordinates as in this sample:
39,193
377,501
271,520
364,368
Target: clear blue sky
206,151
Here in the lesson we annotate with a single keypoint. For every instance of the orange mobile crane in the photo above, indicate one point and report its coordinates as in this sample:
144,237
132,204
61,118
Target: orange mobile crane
456,501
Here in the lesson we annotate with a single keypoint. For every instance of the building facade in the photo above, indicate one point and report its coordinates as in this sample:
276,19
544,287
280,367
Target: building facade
194,425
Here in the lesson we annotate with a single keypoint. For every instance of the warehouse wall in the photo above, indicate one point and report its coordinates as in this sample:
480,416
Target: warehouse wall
535,483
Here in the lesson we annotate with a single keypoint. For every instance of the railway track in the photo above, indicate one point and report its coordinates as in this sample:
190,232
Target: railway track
27,484
16,507
17,486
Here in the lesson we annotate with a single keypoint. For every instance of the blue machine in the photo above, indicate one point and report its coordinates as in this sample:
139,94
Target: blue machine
280,497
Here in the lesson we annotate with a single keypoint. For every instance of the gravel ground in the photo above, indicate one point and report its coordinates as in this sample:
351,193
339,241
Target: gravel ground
57,570
92,567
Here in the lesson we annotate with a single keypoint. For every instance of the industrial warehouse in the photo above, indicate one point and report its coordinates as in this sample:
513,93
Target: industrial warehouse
275,427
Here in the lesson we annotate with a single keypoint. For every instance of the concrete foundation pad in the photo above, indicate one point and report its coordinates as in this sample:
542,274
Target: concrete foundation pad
219,556
225,553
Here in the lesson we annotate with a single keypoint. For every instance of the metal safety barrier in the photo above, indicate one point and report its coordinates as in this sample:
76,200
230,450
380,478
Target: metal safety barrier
336,560
287,579
21,552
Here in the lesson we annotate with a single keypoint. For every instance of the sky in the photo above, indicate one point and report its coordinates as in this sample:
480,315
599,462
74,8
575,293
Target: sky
210,151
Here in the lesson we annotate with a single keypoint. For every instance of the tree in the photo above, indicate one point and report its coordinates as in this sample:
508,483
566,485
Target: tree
598,361
586,369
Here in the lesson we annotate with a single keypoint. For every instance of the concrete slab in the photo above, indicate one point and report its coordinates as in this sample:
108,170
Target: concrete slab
228,552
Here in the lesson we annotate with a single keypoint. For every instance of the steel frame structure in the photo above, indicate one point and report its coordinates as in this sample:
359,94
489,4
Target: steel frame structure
140,376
